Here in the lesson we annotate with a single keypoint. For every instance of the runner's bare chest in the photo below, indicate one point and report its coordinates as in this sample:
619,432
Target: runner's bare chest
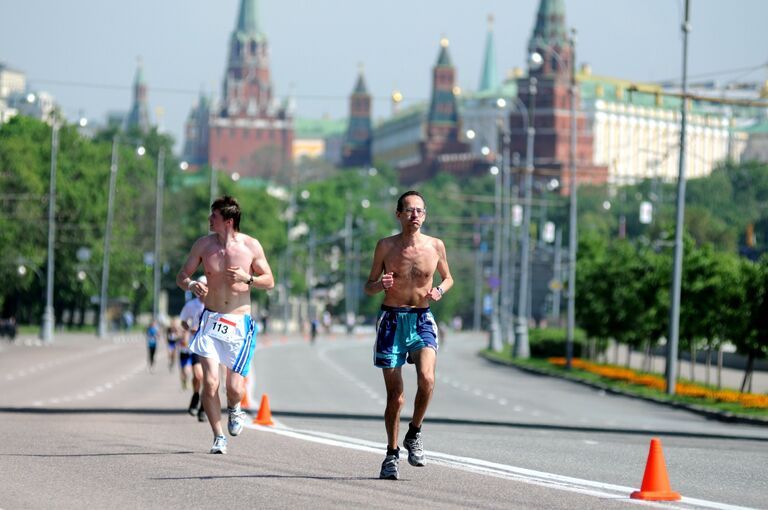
217,257
416,264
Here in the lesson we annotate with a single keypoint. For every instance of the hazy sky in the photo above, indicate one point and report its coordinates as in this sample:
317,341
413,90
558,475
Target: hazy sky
84,51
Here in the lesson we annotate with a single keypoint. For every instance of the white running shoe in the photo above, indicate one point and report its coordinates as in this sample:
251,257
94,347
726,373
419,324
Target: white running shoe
390,468
219,445
415,450
236,421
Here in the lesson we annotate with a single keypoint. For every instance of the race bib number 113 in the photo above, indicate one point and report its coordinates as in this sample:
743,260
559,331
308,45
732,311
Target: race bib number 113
223,329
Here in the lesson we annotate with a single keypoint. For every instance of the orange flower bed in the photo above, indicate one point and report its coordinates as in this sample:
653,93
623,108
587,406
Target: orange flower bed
657,382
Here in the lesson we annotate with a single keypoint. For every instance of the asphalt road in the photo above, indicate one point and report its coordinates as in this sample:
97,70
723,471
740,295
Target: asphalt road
86,425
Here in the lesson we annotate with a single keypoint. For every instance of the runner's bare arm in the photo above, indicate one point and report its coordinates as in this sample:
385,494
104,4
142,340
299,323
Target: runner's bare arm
262,273
184,276
374,285
445,273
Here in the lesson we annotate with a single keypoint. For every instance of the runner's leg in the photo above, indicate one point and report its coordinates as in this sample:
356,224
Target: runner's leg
393,381
425,360
210,394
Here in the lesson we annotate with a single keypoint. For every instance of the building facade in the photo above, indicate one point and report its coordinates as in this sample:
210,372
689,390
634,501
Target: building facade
625,131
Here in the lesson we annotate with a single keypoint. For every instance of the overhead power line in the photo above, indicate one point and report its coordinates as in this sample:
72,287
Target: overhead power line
745,70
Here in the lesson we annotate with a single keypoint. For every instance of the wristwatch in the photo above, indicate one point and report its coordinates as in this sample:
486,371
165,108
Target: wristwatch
250,280
440,290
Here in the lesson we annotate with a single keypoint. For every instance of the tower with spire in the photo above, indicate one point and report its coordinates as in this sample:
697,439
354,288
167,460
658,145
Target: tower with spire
443,116
248,133
196,132
138,116
489,80
552,104
442,149
357,141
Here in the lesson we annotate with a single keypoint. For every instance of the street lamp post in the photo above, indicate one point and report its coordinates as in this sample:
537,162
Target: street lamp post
158,231
572,215
288,260
107,240
348,277
572,192
677,268
48,314
522,349
495,310
506,323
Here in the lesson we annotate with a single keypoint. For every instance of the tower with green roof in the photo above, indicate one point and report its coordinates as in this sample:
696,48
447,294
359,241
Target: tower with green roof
247,87
249,132
551,63
489,80
357,141
442,144
443,116
550,34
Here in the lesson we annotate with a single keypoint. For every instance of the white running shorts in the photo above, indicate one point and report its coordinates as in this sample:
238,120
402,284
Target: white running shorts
228,338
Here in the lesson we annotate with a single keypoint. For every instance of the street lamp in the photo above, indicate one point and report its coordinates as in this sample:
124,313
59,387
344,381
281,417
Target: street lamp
107,241
495,311
572,217
158,231
507,331
677,268
24,265
48,314
521,344
537,59
508,287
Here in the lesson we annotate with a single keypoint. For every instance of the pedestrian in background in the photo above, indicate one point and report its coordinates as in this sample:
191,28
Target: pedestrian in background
190,362
152,333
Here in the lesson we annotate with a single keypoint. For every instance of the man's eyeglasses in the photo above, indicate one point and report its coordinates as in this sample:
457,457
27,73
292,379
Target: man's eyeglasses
417,210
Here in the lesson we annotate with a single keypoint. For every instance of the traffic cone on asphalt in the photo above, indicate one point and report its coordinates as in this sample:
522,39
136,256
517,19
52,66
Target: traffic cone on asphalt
655,485
265,415
245,403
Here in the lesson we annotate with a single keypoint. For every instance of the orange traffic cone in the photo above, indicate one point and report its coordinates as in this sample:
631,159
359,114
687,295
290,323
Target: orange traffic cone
265,415
655,480
245,402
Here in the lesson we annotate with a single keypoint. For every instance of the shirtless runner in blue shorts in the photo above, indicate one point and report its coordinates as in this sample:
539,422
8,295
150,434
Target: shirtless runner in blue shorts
403,267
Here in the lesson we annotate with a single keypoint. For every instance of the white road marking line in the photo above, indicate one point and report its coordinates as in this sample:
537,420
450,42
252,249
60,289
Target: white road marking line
89,393
373,394
49,364
482,467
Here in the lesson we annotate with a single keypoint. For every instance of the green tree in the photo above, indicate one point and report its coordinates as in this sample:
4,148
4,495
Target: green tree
752,339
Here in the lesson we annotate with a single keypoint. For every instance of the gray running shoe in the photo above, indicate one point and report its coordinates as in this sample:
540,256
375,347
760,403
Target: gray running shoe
415,450
236,421
219,445
200,414
390,468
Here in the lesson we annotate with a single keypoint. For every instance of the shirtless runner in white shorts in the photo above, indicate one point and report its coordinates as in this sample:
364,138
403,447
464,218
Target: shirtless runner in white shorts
233,263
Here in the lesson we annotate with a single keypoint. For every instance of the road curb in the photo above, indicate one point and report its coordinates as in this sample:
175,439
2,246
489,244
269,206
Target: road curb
708,413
